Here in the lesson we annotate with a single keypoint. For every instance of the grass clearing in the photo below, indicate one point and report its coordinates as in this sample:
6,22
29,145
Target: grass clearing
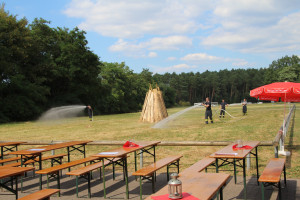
261,123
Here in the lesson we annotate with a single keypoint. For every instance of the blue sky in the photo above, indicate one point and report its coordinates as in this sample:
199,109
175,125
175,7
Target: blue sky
177,35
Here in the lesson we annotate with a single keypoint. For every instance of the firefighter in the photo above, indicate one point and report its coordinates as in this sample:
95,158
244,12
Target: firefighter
90,112
222,108
208,112
244,103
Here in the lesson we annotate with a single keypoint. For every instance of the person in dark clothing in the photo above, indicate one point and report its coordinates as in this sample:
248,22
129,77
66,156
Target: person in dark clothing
90,112
244,103
208,112
222,107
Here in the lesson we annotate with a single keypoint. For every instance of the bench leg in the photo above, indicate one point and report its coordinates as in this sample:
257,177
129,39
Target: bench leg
89,184
114,175
58,183
279,190
77,186
47,181
262,191
153,183
141,189
284,174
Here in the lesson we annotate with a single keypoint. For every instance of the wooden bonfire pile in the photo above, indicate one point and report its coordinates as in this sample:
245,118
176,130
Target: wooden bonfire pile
154,108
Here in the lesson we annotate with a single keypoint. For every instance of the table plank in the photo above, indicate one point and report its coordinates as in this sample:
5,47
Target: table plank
201,185
123,151
13,171
227,152
2,144
49,148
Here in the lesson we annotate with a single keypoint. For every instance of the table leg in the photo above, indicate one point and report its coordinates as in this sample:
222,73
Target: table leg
126,177
2,153
103,172
89,185
217,167
68,150
154,160
221,193
244,175
284,174
40,168
257,172
262,191
234,170
135,166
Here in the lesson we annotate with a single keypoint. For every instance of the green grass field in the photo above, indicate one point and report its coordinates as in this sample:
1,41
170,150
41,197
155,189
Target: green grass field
261,123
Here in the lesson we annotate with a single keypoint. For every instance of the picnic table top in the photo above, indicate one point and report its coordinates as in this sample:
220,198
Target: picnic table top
229,152
201,185
2,144
13,171
123,151
39,150
273,170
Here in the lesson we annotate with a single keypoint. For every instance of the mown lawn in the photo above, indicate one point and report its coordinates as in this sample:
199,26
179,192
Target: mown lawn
261,123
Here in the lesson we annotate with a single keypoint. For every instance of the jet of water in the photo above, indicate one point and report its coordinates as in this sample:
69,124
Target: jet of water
62,112
163,122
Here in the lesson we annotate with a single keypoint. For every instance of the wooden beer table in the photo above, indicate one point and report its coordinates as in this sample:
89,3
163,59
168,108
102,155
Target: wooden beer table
201,185
31,154
12,173
122,153
9,146
229,156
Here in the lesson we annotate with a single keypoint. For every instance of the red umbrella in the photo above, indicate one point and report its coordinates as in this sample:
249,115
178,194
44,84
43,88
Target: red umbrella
286,91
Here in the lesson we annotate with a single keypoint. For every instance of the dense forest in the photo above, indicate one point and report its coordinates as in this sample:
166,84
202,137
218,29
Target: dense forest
43,67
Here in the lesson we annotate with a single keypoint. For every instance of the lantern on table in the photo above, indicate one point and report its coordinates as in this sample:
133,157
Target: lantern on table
175,187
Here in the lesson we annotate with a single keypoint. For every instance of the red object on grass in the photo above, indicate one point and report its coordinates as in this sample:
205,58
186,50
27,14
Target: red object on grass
130,144
234,147
185,196
287,91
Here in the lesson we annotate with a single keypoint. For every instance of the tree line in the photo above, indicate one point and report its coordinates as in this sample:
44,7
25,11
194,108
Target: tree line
43,67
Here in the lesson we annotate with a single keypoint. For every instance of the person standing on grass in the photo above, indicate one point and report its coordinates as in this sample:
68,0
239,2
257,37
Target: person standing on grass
244,103
208,112
222,108
90,112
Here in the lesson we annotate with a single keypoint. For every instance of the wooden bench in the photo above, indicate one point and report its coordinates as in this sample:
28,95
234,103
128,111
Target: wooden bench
86,172
271,175
2,162
199,166
54,171
40,195
54,158
149,171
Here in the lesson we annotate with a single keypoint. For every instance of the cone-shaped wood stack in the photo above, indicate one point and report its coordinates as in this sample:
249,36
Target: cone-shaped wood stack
154,108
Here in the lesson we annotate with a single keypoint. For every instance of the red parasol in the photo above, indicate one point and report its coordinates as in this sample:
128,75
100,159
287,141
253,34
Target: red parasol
286,91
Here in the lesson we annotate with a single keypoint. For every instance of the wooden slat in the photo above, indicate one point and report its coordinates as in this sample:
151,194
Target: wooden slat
9,160
65,165
41,194
199,166
203,186
156,166
13,171
86,169
272,171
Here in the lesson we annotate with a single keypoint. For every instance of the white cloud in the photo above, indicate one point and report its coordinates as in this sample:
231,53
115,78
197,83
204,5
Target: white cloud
152,54
157,43
203,58
256,26
171,58
135,18
175,68
200,57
